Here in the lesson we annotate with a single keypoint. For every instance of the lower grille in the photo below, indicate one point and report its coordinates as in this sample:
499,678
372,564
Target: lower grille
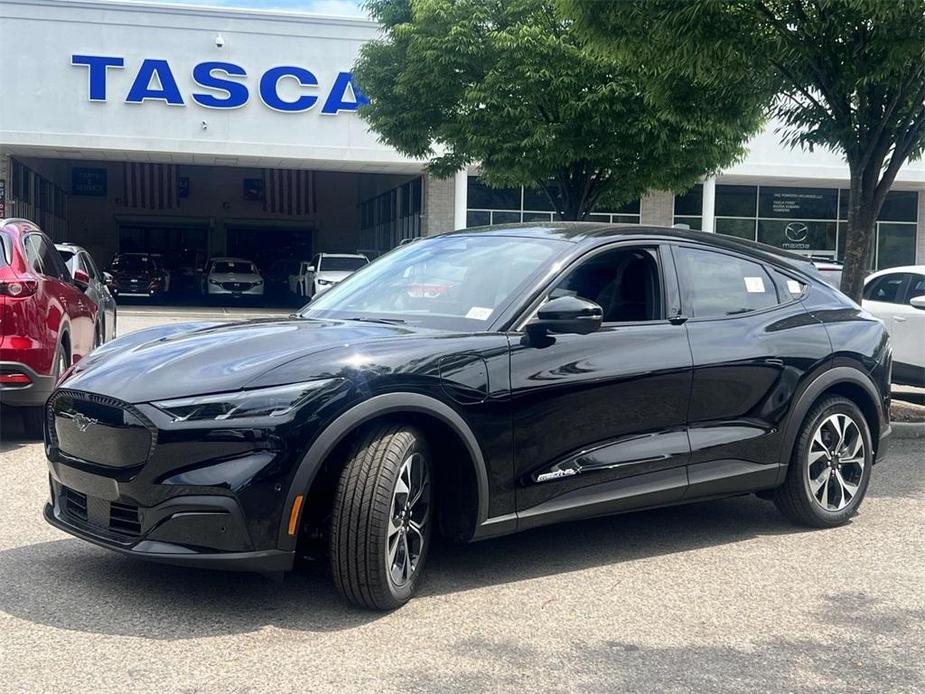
75,504
122,519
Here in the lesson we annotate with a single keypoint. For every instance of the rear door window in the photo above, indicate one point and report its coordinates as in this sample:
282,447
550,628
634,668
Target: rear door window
886,289
717,285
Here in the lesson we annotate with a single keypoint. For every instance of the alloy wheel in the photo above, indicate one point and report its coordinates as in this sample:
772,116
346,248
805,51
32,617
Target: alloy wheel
408,518
835,462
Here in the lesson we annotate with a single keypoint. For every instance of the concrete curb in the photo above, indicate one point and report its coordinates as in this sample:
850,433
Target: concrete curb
909,430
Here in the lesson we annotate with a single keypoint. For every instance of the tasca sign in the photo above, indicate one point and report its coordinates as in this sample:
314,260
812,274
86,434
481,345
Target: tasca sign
221,85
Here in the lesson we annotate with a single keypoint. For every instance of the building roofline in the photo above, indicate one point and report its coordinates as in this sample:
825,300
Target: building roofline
201,11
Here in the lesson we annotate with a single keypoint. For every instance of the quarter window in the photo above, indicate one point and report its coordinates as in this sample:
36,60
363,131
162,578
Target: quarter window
717,285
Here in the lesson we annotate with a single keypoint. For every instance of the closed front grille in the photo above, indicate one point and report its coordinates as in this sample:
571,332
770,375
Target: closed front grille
236,286
99,429
119,518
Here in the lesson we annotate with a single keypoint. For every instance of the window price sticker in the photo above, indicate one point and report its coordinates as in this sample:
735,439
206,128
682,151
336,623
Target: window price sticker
794,287
754,285
479,313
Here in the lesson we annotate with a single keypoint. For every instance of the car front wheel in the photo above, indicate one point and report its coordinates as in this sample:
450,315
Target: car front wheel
380,531
830,468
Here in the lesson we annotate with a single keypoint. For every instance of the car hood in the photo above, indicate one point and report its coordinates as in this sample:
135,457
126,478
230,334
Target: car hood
197,359
334,276
234,277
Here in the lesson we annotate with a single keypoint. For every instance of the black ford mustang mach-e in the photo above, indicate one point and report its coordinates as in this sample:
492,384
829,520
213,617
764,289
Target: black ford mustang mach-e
475,384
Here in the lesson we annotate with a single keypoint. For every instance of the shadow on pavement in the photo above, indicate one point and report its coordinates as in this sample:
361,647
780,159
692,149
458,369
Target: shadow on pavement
69,584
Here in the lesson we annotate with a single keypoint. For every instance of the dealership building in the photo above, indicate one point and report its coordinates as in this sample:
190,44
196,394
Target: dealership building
196,131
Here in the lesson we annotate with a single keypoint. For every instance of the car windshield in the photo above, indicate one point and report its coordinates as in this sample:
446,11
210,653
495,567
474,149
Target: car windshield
69,257
134,263
241,267
450,282
335,264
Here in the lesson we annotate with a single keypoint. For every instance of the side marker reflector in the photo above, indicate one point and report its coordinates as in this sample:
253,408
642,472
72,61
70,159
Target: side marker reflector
294,515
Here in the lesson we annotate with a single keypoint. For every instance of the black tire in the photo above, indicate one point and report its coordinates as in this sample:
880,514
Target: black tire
364,519
795,498
33,418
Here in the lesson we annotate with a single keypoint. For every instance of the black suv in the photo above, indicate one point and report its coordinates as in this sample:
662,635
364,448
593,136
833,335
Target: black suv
476,384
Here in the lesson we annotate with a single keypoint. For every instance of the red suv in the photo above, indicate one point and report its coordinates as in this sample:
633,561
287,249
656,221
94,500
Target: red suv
46,321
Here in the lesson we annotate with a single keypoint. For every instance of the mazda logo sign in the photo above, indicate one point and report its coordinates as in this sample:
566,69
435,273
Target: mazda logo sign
796,232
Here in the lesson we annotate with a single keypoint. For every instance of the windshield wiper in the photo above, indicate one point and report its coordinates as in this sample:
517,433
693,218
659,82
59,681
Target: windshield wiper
365,319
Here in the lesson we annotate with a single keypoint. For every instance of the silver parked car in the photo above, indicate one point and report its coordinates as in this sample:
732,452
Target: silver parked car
77,258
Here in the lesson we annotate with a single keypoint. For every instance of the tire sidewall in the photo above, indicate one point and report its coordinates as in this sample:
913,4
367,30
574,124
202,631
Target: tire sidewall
401,594
802,450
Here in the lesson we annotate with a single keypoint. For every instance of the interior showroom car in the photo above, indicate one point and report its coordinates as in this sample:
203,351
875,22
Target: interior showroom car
139,275
323,272
607,369
231,277
897,297
47,319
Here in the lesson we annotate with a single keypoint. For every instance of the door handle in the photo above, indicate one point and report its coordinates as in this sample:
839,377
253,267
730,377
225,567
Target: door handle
899,319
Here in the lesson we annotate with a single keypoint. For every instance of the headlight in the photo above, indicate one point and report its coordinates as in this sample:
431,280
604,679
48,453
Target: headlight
325,283
211,281
261,402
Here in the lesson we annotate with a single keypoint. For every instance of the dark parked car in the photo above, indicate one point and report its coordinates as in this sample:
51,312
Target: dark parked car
604,369
142,275
46,320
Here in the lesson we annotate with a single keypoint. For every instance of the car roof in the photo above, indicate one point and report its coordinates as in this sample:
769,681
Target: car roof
914,269
65,246
341,255
595,234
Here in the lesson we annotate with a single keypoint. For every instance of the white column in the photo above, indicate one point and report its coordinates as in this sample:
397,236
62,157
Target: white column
709,204
460,199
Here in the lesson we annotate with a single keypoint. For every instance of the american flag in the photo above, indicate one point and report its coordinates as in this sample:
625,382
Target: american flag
288,191
150,186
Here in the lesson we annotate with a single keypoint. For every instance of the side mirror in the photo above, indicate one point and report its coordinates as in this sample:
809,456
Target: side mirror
918,302
107,277
567,314
81,279
310,268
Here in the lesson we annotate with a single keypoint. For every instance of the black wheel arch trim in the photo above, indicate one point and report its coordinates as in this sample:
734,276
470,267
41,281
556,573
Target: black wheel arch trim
828,378
377,406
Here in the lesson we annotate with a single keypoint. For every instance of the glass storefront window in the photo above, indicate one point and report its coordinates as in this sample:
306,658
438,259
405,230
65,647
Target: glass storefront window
741,228
899,206
895,244
691,222
534,199
537,216
501,217
797,236
475,218
482,197
690,204
797,203
736,201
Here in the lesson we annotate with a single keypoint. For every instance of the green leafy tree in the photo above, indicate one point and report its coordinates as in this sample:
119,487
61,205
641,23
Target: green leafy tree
510,85
848,75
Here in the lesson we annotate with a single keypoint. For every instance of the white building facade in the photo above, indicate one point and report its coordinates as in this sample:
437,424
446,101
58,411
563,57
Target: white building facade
208,131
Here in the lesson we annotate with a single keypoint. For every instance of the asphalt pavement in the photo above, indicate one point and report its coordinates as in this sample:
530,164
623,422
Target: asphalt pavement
722,596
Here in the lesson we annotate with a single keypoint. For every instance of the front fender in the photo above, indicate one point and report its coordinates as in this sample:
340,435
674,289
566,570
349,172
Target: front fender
377,406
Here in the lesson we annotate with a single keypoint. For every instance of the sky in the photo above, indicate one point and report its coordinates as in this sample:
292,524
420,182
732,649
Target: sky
340,8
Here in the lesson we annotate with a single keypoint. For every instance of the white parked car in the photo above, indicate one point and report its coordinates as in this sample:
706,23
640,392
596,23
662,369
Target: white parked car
231,277
324,271
897,297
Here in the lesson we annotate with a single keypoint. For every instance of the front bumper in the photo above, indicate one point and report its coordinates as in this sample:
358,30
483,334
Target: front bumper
214,290
202,531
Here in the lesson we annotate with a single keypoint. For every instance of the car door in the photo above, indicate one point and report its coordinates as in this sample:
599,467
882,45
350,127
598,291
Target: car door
752,342
599,419
908,331
887,297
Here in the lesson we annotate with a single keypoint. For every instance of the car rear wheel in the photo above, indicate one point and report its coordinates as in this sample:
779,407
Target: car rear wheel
380,531
830,469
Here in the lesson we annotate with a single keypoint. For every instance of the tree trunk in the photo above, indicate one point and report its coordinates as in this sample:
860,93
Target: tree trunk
572,202
859,233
